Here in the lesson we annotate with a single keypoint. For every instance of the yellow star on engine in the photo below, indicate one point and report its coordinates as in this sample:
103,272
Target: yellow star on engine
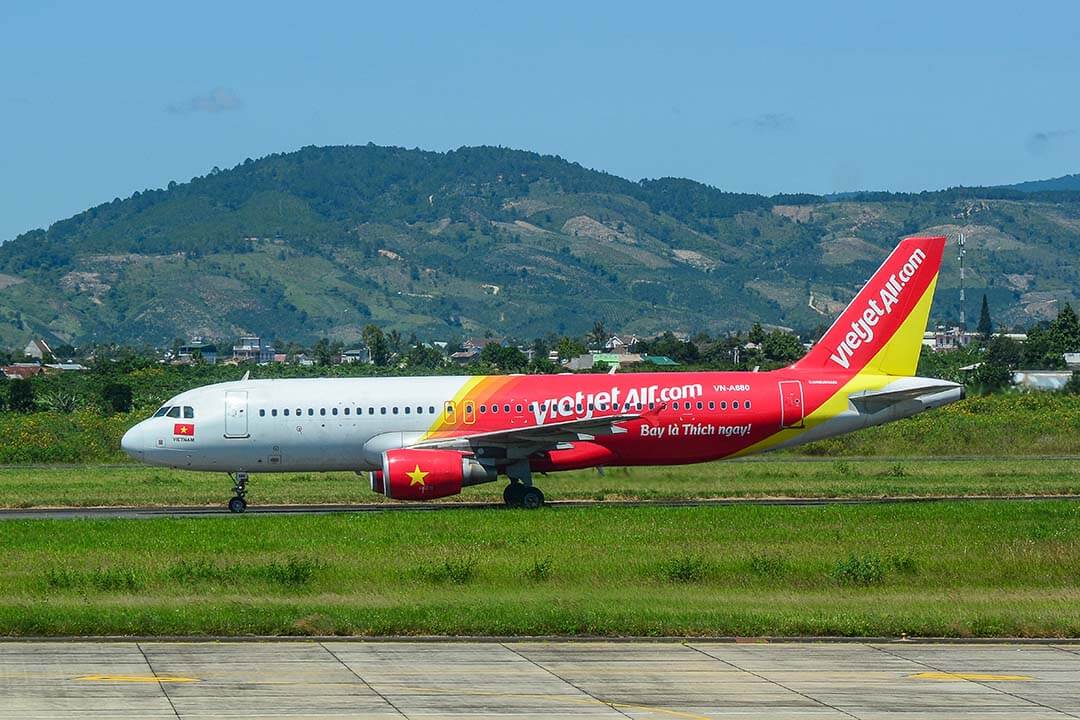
416,477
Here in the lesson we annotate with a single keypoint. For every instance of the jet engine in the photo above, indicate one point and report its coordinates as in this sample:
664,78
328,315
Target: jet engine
428,474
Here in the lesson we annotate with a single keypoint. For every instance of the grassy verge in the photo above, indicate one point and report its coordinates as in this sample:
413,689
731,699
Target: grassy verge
782,476
986,569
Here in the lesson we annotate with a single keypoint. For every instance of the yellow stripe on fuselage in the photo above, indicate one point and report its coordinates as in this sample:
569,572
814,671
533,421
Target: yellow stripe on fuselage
467,388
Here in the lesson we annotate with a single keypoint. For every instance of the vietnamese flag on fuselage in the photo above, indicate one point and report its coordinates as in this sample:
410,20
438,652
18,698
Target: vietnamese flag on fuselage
184,429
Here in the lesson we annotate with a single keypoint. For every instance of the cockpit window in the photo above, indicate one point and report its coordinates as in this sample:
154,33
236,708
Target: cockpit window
161,411
189,412
174,411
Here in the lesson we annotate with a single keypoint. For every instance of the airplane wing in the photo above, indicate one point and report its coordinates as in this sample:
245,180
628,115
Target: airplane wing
535,437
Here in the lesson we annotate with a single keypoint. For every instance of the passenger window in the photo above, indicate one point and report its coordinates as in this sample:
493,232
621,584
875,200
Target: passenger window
322,411
310,411
735,405
189,412
494,408
371,411
483,409
286,412
723,404
419,410
161,411
346,411
448,411
273,413
431,409
712,404
746,405
382,410
519,408
174,412
700,405
470,413
299,412
407,410
395,410
262,413
506,408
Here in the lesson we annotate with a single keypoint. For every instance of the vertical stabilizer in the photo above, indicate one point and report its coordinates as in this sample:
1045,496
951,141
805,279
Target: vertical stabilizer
881,331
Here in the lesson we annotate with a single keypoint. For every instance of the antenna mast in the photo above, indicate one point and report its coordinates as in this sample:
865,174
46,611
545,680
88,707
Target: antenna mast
962,251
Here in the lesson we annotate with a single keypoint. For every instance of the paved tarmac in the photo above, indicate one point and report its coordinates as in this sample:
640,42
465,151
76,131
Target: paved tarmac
536,679
143,513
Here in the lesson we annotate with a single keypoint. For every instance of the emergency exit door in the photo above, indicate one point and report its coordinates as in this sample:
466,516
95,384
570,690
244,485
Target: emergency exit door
236,421
791,404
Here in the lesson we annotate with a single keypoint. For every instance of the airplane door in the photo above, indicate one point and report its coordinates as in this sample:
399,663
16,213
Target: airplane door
791,404
236,422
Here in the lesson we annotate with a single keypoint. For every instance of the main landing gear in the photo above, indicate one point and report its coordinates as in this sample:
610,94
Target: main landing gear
520,495
238,504
521,492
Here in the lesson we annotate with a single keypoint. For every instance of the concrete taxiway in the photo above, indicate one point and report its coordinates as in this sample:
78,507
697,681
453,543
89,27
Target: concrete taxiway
536,679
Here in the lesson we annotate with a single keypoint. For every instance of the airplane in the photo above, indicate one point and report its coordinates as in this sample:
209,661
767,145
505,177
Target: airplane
422,438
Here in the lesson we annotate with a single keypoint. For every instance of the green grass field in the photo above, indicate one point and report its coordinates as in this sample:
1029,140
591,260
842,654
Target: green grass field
769,476
987,568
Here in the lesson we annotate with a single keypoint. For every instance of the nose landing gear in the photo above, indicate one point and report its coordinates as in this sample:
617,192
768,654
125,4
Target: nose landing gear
238,504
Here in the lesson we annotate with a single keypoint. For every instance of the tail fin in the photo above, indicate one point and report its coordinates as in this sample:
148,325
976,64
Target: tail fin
881,331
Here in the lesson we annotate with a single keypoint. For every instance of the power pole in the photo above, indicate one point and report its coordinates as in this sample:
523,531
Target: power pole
962,251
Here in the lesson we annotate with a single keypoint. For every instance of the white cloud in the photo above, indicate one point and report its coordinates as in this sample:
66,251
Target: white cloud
218,100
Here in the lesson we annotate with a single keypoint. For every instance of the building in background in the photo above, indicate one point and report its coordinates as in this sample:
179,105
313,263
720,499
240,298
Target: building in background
251,348
197,349
38,350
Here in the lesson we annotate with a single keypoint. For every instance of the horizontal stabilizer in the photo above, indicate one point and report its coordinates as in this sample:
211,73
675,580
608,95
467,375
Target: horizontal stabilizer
869,402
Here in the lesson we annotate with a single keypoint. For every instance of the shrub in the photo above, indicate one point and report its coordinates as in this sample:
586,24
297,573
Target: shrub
862,570
768,566
187,572
61,579
685,569
458,570
294,572
896,470
118,579
540,570
118,397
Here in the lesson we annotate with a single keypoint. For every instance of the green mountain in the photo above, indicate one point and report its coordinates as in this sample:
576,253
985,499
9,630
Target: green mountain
1065,182
322,241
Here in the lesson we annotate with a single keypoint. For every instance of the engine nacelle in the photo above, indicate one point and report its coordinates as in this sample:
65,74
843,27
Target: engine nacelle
428,474
377,485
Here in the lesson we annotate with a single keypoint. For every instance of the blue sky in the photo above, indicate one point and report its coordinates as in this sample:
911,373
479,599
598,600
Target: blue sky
98,100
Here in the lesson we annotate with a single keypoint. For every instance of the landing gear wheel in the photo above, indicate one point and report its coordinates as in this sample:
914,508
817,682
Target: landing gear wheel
238,504
532,498
511,496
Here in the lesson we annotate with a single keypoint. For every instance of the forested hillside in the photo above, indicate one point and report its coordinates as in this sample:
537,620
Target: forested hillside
322,241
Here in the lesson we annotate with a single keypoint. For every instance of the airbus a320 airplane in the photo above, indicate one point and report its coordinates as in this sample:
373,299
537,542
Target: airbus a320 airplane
427,437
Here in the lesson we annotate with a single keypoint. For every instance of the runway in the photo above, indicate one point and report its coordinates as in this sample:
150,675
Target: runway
533,679
73,513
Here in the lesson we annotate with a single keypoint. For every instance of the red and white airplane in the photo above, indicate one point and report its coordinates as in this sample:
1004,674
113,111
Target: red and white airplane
427,437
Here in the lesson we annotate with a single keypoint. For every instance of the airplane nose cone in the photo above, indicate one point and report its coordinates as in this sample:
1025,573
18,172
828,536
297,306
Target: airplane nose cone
132,442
